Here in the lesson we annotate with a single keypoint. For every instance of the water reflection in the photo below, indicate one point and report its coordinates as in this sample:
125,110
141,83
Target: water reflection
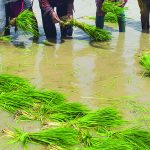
84,67
37,73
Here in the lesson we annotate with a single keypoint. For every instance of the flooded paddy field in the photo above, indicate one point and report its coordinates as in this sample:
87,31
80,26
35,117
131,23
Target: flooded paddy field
97,74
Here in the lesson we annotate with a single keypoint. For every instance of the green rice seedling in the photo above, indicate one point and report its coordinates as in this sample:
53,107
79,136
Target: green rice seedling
63,137
138,138
110,17
27,23
109,144
50,105
85,137
67,111
103,118
10,83
12,102
95,33
6,38
59,112
113,7
89,17
145,61
47,97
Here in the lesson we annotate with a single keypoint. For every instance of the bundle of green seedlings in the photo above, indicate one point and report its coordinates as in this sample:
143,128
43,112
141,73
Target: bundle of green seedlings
103,118
63,137
10,83
53,113
129,139
113,7
145,61
100,121
111,17
95,33
106,143
26,22
6,38
137,138
20,98
74,123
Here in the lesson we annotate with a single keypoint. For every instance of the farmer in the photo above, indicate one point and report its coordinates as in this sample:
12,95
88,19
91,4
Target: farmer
13,8
100,15
145,10
50,16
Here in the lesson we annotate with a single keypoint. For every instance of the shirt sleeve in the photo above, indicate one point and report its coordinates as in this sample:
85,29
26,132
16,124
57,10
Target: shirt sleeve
70,7
46,6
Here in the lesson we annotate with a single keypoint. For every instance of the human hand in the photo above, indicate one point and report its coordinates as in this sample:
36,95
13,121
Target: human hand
122,5
69,17
55,17
13,22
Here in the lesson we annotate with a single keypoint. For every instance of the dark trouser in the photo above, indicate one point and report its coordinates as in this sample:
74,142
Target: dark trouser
7,28
48,25
121,22
145,10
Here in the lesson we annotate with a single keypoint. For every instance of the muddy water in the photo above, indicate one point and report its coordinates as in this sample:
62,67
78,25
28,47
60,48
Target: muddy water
95,74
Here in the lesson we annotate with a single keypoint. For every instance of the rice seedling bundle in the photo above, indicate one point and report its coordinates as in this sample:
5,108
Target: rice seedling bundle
62,137
103,118
138,138
109,144
12,102
6,38
47,97
95,33
10,83
67,111
113,7
145,61
110,17
26,22
63,112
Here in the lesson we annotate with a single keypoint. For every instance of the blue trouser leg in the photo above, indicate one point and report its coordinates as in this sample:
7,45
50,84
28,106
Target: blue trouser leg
100,22
121,22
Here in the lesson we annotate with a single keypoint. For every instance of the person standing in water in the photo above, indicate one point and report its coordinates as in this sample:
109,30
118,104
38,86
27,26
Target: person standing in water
144,10
100,15
13,8
50,16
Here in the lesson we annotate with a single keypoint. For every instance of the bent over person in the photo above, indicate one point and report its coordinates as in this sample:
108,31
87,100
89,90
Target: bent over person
145,10
13,8
50,17
100,15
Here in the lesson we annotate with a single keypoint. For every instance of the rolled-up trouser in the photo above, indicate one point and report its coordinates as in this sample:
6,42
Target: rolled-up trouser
121,22
27,4
144,10
49,26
